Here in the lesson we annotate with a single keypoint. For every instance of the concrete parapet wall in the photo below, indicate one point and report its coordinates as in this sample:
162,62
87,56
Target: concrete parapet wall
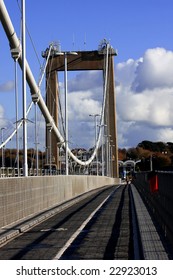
25,196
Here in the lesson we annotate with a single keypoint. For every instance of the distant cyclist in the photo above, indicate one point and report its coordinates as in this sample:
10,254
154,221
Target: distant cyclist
128,179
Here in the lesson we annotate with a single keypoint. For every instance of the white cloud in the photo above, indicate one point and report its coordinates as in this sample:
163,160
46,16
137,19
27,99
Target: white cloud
3,120
81,125
8,86
1,112
165,134
85,80
81,104
151,106
154,70
125,72
145,97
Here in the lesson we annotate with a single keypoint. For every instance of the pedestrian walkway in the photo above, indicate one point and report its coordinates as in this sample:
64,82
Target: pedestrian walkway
152,245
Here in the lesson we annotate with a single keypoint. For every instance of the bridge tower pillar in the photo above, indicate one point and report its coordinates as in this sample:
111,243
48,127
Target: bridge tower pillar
111,120
52,104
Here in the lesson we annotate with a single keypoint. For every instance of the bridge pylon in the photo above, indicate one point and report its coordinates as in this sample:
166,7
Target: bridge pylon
83,60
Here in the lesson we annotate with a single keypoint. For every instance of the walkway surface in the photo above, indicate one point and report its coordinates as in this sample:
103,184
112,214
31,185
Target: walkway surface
112,223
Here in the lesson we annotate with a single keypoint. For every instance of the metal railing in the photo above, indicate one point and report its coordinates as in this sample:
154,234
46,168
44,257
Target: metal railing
13,172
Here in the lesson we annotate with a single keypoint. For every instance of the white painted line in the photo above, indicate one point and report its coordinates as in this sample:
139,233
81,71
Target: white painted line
53,229
78,231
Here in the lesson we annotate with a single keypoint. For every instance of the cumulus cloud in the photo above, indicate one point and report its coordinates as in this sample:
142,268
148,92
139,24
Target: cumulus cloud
154,70
81,104
145,97
165,133
6,87
85,80
3,121
1,111
81,125
151,106
125,72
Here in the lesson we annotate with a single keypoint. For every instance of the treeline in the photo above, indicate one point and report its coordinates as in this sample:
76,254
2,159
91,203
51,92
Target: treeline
10,158
159,154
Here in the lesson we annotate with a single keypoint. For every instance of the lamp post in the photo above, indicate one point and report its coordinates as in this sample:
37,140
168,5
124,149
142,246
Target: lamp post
16,52
103,143
95,118
2,129
151,163
107,154
59,145
49,149
36,137
25,160
111,159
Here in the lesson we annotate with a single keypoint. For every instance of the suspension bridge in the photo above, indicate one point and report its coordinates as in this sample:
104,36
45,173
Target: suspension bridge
56,61
79,200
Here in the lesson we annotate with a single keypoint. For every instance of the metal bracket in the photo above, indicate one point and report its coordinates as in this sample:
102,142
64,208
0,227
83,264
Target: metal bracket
49,126
16,52
35,97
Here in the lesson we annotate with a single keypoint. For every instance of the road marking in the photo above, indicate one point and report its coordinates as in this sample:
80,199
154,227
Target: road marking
53,229
78,231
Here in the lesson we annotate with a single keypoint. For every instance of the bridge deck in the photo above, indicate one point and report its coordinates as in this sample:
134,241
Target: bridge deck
112,223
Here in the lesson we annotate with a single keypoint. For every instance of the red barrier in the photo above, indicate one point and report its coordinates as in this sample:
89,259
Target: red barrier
153,181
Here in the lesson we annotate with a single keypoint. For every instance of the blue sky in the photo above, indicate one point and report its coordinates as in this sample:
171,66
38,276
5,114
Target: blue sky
141,31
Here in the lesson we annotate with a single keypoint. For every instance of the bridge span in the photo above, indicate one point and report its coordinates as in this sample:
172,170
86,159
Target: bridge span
85,217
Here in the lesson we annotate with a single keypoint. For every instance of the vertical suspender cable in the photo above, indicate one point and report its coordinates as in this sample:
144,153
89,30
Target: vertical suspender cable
66,114
36,139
